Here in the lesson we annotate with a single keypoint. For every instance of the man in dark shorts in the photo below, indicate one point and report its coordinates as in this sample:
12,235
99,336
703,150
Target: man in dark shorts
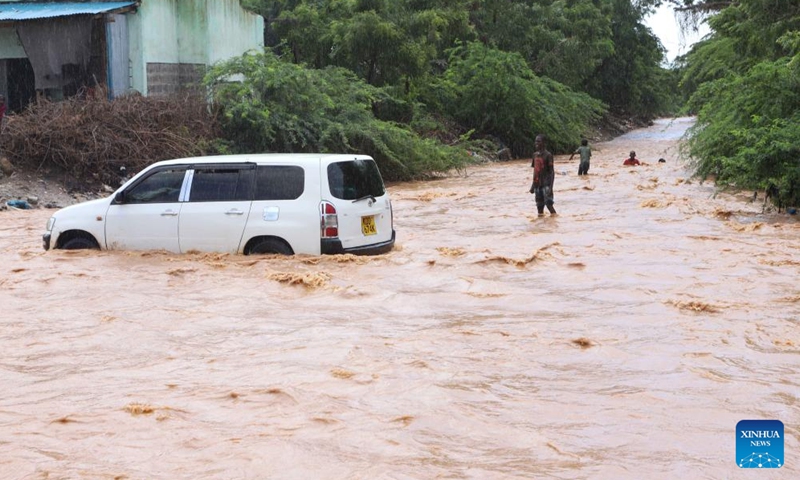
543,176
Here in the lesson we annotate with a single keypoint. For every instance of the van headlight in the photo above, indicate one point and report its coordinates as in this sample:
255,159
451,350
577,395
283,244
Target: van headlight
51,223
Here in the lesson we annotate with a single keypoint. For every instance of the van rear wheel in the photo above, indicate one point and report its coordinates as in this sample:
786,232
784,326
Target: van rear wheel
270,245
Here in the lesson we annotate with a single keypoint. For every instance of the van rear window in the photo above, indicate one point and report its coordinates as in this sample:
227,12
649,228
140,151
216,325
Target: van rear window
355,179
279,182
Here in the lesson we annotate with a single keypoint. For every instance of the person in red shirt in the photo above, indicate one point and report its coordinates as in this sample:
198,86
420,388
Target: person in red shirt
543,176
632,160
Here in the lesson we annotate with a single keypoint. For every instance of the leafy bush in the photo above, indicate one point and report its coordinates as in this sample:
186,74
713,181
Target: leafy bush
268,105
747,130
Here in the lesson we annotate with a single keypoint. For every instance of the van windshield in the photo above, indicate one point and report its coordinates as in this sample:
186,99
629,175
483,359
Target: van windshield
355,179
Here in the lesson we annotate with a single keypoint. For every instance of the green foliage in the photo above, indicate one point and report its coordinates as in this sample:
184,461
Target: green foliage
744,34
595,46
756,25
708,61
748,128
564,40
630,80
384,42
269,105
375,48
504,69
303,32
496,93
748,99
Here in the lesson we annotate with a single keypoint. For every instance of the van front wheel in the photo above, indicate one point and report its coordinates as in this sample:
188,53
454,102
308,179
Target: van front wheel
270,245
80,242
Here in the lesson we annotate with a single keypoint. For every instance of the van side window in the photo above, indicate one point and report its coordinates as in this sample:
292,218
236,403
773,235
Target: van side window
279,182
354,179
221,185
163,186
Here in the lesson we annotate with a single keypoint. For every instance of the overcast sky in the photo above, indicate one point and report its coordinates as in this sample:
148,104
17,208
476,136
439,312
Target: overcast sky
664,25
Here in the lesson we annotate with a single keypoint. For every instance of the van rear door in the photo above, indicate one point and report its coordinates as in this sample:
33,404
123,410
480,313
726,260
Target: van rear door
286,205
355,188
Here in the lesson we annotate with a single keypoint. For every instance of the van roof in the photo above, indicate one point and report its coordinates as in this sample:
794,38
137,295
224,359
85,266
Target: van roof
266,158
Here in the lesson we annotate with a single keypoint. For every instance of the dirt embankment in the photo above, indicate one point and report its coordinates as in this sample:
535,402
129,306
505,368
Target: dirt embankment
43,191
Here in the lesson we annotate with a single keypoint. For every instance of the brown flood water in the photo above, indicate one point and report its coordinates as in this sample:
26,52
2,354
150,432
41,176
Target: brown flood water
623,339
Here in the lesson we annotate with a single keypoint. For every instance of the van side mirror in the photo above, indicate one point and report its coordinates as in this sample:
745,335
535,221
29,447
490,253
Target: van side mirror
119,197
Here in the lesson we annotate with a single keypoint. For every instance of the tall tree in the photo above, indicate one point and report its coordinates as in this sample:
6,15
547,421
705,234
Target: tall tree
629,80
564,40
496,93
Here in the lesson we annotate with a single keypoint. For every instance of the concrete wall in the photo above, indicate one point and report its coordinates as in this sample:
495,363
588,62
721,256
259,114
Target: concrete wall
153,36
159,26
171,41
232,30
10,46
176,39
192,26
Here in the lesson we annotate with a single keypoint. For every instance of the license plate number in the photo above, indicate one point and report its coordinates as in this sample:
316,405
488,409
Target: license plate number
368,225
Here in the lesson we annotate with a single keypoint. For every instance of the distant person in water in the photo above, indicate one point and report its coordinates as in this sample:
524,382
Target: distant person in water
544,175
632,160
586,153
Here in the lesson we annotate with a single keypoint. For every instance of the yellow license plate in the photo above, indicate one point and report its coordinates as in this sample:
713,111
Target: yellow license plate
368,225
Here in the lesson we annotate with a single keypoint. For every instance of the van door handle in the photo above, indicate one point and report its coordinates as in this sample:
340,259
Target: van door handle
234,212
169,213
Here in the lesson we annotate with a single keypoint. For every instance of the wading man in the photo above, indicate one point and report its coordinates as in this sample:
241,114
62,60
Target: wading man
543,176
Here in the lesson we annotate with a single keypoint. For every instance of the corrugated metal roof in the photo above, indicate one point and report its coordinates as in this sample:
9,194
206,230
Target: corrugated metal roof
32,11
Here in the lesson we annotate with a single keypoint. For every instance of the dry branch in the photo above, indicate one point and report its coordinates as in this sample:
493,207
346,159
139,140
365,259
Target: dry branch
90,138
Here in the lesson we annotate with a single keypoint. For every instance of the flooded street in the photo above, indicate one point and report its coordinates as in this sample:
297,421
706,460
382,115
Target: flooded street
622,339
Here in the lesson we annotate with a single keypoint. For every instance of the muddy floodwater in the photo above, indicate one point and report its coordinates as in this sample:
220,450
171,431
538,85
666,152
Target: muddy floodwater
622,339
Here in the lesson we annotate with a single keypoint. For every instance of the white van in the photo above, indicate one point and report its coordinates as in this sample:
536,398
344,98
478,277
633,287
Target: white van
266,203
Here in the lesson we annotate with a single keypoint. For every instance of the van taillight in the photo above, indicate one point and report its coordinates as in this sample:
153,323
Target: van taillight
329,221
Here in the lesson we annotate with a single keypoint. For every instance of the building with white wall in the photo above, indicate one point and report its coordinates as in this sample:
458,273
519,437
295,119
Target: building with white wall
154,47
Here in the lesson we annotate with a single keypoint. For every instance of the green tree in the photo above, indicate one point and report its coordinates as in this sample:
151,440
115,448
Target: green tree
496,93
270,10
377,49
564,40
562,47
630,81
